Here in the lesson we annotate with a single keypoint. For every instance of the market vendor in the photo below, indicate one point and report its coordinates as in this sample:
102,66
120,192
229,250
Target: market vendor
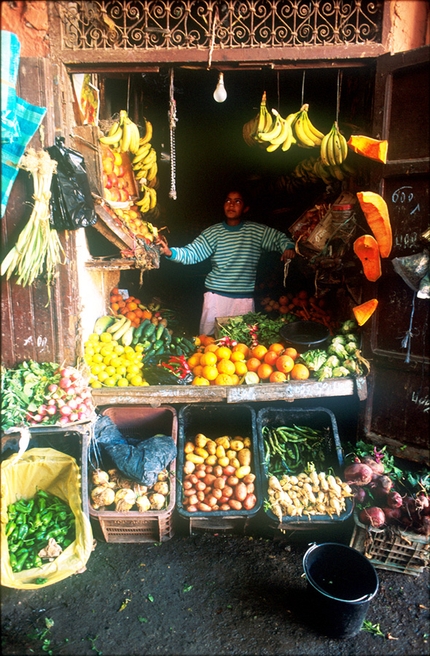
234,247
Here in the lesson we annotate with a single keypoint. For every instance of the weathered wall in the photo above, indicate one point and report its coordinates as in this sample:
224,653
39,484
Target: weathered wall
409,25
29,21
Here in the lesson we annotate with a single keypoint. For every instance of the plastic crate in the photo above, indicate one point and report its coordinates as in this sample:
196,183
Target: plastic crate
69,440
153,526
394,550
318,419
214,420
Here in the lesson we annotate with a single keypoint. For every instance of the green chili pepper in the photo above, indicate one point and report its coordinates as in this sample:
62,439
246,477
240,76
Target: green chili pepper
40,580
20,561
38,562
23,506
22,532
11,511
40,535
42,493
13,561
10,526
21,518
47,518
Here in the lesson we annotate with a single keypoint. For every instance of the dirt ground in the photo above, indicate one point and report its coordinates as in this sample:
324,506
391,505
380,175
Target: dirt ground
241,592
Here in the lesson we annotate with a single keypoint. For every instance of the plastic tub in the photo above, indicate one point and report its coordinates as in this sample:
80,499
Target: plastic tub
139,422
305,335
341,585
214,421
316,418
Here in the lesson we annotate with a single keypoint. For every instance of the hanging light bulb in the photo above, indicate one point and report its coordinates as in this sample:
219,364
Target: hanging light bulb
220,94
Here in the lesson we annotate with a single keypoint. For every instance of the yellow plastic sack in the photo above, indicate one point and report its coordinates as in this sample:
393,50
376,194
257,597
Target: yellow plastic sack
57,473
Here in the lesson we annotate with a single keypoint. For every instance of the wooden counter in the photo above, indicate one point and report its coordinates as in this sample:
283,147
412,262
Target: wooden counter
157,395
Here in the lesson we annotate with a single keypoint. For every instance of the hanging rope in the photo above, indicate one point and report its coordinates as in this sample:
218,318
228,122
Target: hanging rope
339,86
212,45
172,129
303,88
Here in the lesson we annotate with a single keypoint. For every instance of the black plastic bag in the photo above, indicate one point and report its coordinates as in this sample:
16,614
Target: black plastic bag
140,460
72,205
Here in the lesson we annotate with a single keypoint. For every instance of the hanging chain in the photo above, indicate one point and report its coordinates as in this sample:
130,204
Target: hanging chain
172,128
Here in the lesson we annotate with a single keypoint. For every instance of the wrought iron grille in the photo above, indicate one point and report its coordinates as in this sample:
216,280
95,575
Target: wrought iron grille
190,24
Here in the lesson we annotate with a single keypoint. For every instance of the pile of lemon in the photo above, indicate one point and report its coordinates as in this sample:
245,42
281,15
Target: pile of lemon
111,364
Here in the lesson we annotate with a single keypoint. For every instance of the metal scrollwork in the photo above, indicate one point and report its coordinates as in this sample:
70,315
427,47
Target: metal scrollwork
187,24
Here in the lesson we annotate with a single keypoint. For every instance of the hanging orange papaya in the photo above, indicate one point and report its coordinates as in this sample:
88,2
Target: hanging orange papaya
376,212
364,311
367,250
372,148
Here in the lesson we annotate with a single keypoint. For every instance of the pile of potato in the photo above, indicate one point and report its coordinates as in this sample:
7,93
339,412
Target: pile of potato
217,474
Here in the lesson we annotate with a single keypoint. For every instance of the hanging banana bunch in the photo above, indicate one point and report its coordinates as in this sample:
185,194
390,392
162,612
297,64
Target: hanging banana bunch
123,136
145,168
262,122
334,150
307,135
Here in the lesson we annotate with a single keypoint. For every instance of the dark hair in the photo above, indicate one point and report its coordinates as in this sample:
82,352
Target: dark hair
240,190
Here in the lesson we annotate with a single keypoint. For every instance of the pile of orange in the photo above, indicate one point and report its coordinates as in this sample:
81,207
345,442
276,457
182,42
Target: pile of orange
129,307
213,364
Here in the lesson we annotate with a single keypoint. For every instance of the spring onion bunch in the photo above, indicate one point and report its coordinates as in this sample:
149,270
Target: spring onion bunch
38,249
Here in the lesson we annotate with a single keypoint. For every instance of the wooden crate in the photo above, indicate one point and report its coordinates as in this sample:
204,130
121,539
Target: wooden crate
394,550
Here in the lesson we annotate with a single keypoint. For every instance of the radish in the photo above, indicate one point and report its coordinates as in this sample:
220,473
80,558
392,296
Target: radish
52,388
42,410
37,418
65,383
66,410
52,410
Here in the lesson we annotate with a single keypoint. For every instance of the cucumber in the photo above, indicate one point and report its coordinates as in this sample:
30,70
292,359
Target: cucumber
148,353
186,342
149,330
177,340
157,344
159,331
139,330
167,336
179,350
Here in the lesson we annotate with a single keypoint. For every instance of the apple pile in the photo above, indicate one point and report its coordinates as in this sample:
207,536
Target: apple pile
117,184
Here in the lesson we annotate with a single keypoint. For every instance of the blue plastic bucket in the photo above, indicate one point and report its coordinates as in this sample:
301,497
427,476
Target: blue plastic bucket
341,585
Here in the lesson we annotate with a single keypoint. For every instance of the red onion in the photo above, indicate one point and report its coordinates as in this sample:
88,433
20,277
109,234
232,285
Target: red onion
373,516
424,527
422,501
392,515
360,494
376,467
358,474
384,483
394,499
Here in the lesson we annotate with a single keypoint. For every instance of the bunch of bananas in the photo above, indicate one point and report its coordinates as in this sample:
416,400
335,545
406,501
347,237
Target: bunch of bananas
276,132
334,147
144,163
297,128
310,171
124,135
148,200
262,122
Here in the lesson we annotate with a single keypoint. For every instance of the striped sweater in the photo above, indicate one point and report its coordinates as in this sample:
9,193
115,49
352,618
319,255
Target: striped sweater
234,252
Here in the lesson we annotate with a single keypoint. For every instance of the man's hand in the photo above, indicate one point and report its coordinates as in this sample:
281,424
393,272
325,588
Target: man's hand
288,254
161,241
